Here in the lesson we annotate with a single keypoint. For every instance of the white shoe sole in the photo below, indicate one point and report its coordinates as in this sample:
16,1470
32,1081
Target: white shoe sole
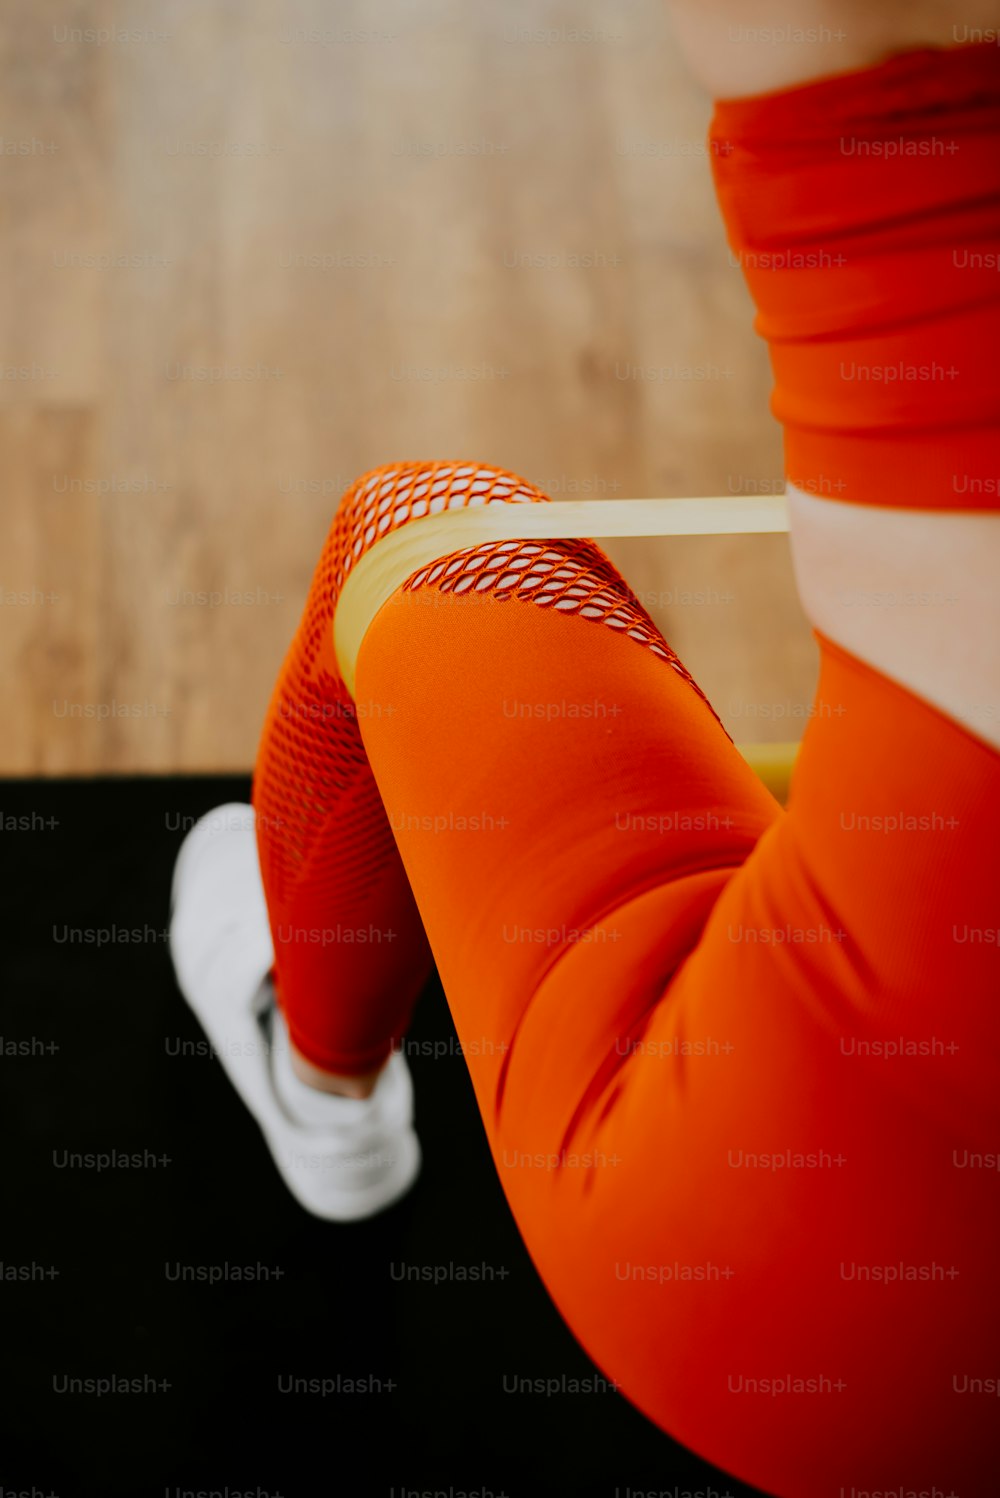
221,947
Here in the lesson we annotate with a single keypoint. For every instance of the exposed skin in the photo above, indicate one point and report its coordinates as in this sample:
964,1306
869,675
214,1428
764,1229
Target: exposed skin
331,1081
944,644
734,48
847,556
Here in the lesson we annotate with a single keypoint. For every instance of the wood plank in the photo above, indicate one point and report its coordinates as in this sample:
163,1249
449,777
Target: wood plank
336,201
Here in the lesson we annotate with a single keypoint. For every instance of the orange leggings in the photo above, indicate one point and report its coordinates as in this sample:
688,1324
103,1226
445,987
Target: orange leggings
738,1066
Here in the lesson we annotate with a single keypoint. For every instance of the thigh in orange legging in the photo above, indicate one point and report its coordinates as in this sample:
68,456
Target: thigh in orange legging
741,1065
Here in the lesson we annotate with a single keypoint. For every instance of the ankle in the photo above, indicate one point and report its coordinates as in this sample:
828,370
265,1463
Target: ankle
359,1085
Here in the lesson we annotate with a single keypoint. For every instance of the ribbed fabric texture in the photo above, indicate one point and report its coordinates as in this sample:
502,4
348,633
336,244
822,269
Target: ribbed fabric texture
864,210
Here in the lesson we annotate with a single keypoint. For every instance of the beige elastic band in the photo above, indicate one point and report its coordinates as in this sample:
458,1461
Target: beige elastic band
400,553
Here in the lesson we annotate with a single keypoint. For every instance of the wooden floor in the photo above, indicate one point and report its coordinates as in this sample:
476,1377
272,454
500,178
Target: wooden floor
251,249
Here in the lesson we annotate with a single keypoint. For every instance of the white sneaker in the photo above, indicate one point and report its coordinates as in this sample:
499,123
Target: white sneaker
365,1154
